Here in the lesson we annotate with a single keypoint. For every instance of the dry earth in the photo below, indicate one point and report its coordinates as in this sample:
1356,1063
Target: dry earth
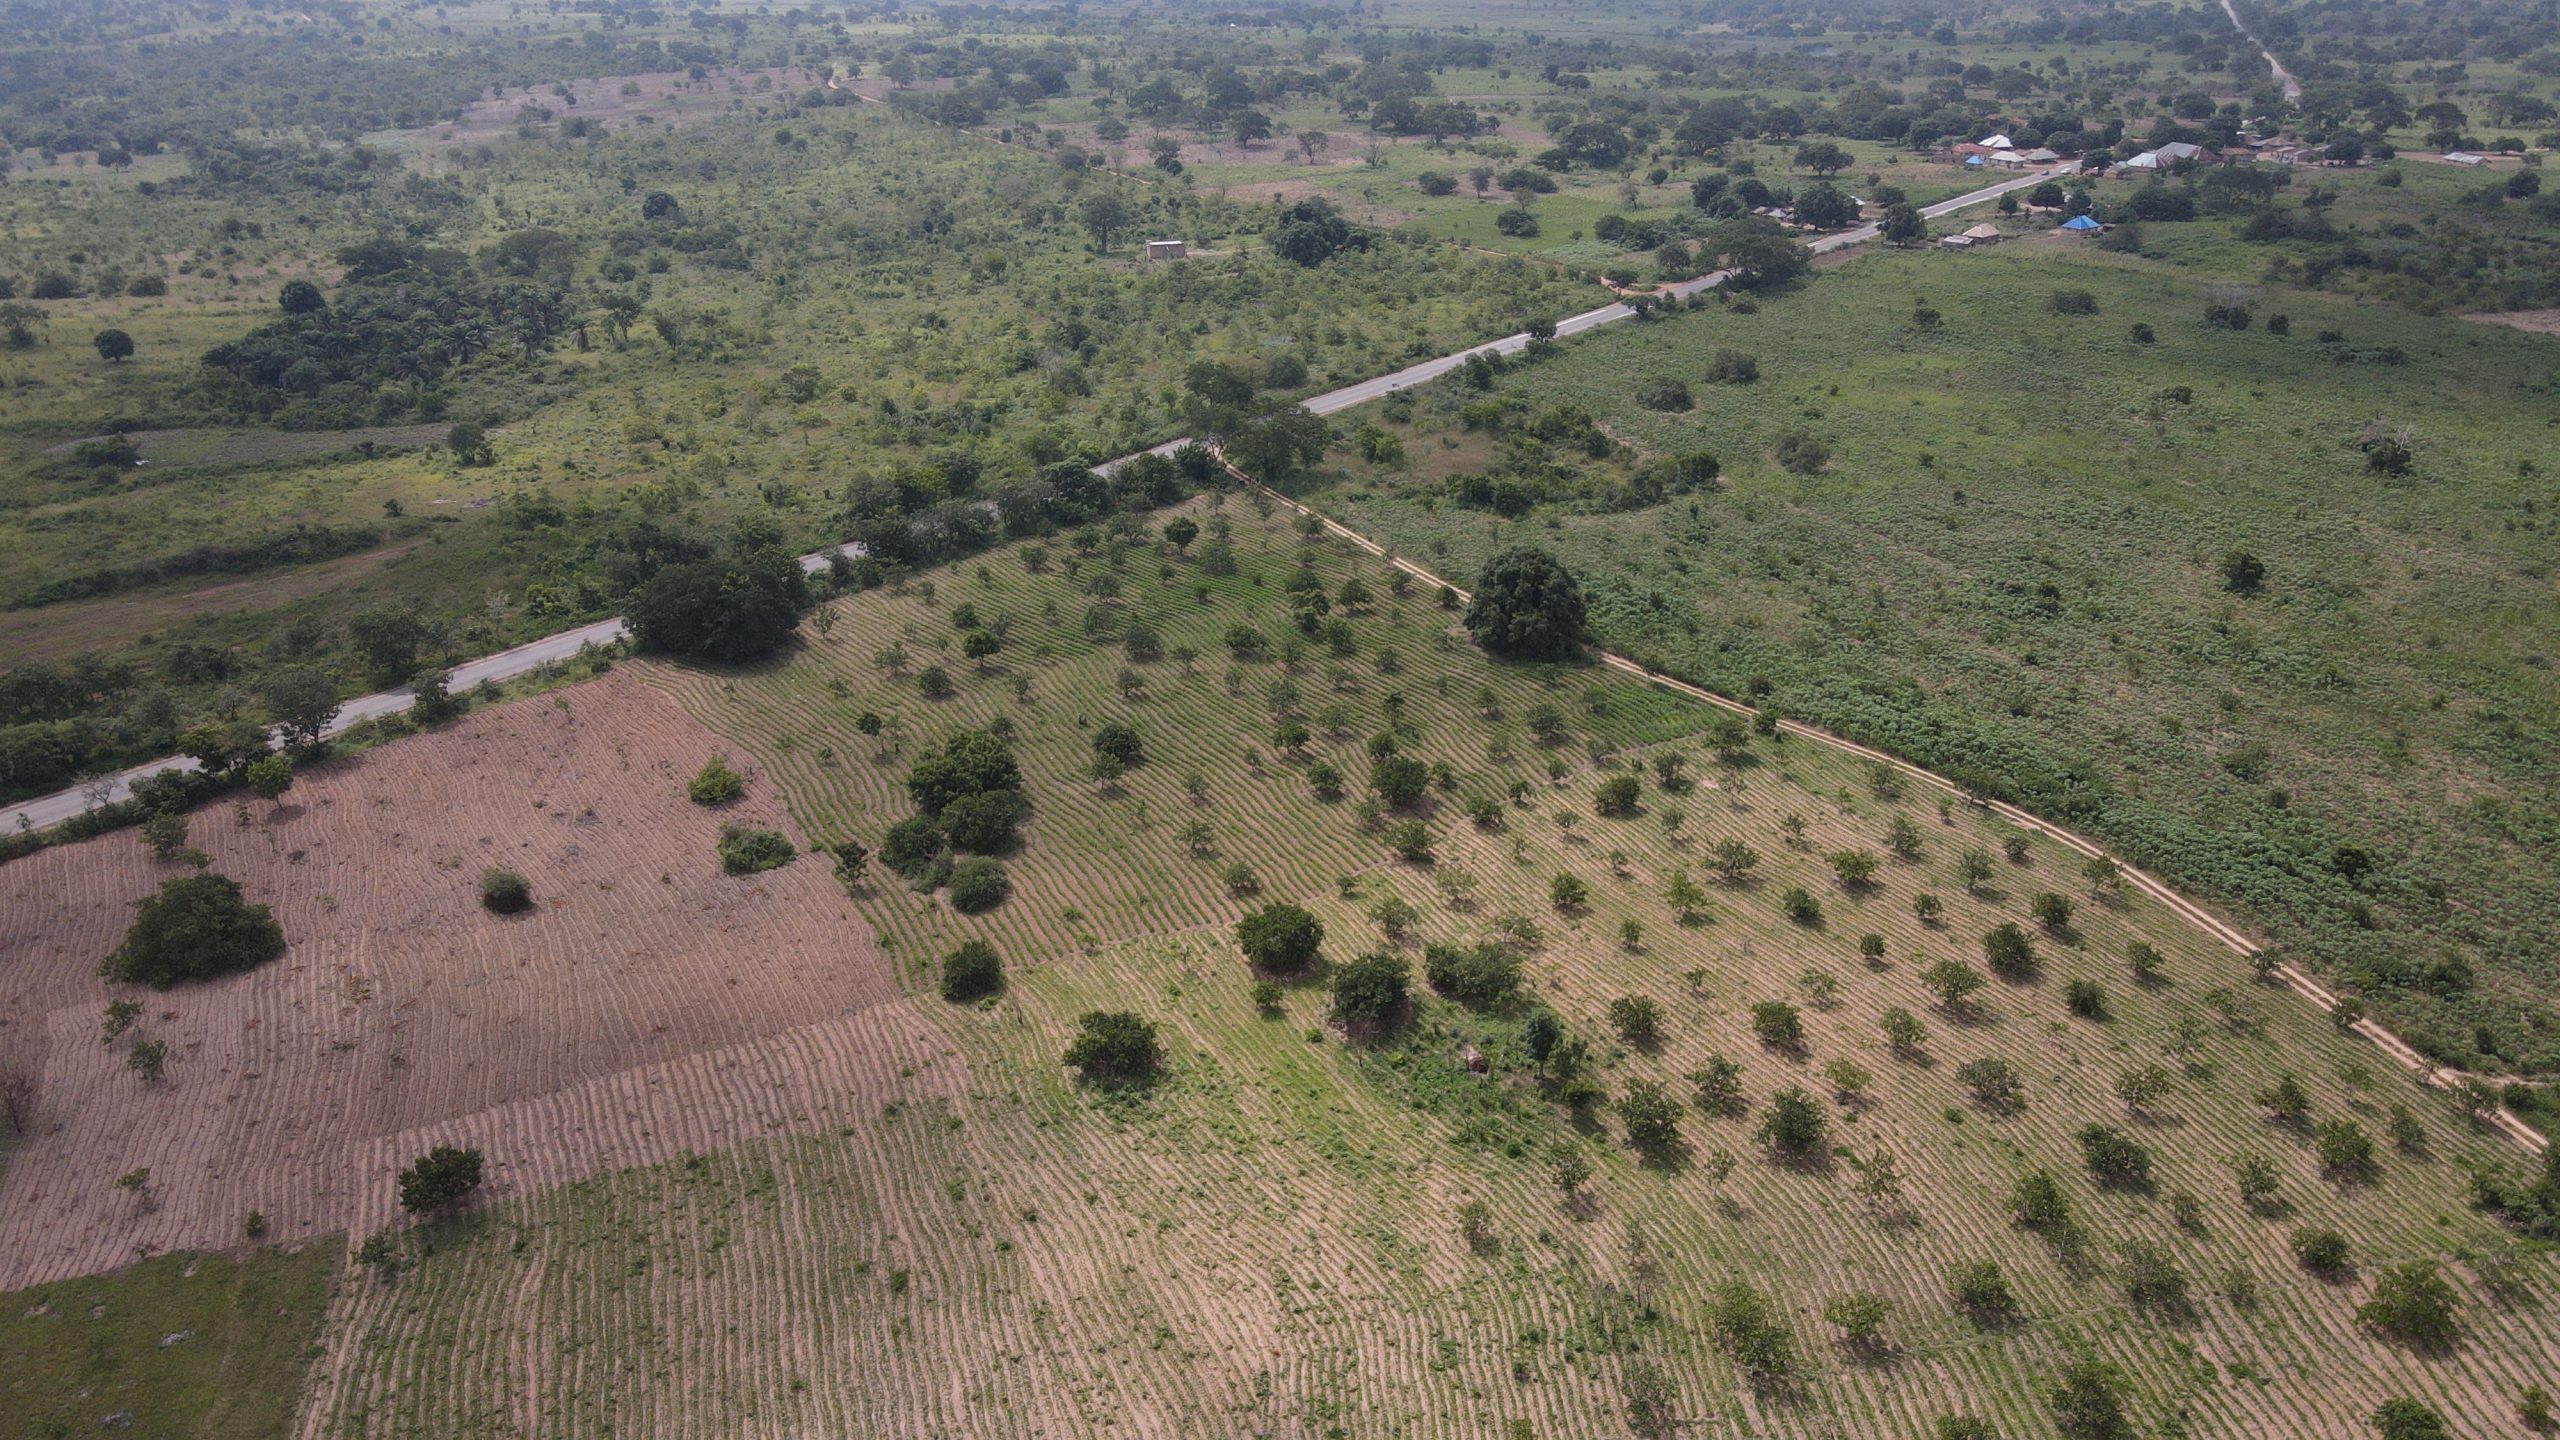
650,1005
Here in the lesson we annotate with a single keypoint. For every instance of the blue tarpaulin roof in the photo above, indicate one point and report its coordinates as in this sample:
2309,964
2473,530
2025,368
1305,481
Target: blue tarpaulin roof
2080,222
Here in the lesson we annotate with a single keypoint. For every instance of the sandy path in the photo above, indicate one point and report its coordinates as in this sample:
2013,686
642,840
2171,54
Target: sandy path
402,1009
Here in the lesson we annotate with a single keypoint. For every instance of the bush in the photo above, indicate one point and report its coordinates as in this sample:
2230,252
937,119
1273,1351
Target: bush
1619,795
1371,989
1664,394
504,892
983,822
1995,1085
1400,780
978,885
1798,453
2087,999
2114,1158
1779,1025
1527,606
1800,906
715,783
196,928
745,852
439,1179
2009,952
972,762
2320,1251
1472,974
2402,1418
1794,1128
1280,937
971,972
1120,742
2073,302
1114,1045
2412,1304
1652,1119
1982,1292
912,847
1637,1020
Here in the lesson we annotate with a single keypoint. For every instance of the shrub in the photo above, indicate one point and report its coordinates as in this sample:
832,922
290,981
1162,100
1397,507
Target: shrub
2320,1251
1794,1128
1664,394
1732,367
504,892
2037,1202
1798,453
745,852
165,832
983,822
2412,1304
1114,1045
972,762
912,846
2088,1401
1719,1085
1994,1083
2086,998
1980,1291
197,927
1954,982
2009,952
1800,906
2073,302
2114,1158
1280,937
1568,893
1472,974
1747,1326
971,972
1779,1025
715,783
2402,1418
978,885
1637,1019
1652,1119
1120,742
1618,795
1400,780
439,1179
1371,989
2345,1151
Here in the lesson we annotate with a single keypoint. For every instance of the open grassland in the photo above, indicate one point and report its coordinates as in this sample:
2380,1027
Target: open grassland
1269,1241
208,1346
2012,569
615,1024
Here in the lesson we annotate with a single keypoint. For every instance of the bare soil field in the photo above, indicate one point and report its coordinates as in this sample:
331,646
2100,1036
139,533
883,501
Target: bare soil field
2536,322
649,1004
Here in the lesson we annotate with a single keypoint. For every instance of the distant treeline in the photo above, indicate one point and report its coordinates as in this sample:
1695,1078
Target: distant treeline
298,546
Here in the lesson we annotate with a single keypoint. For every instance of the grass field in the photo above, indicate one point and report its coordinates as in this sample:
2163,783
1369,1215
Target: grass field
208,1346
1980,580
1268,1241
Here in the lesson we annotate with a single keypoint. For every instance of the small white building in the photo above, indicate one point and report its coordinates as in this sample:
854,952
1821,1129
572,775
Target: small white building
1165,250
1997,142
1985,234
2464,157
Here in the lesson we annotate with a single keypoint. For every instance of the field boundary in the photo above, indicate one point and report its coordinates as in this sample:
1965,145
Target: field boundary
2499,1118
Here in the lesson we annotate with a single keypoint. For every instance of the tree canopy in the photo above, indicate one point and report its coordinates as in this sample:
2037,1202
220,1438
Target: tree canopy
197,928
1527,606
725,610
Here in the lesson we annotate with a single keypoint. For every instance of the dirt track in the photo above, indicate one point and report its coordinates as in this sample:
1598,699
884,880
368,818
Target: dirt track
648,1006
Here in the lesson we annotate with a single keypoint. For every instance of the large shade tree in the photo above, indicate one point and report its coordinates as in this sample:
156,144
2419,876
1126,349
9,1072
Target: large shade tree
1527,606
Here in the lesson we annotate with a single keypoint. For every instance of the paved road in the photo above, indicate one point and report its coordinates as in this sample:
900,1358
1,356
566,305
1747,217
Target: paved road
49,810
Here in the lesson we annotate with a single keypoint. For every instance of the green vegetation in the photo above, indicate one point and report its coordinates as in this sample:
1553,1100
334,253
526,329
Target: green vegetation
439,1180
76,1350
2011,620
197,927
504,892
744,850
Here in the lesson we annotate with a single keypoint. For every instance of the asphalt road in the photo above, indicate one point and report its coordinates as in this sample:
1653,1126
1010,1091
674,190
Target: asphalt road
53,809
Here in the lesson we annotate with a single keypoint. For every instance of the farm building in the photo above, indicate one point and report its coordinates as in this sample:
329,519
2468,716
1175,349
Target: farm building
2464,157
1165,250
1984,234
2081,225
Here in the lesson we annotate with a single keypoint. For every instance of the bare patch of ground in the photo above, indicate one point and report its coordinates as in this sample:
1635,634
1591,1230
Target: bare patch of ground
648,1006
2538,322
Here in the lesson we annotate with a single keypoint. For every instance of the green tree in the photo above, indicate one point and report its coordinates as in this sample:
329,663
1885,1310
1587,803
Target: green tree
1651,1118
2402,1418
1527,606
1794,1127
504,892
269,776
439,1179
1280,937
1371,989
114,346
389,637
727,611
972,762
2088,1400
1106,217
1114,1045
972,971
302,700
